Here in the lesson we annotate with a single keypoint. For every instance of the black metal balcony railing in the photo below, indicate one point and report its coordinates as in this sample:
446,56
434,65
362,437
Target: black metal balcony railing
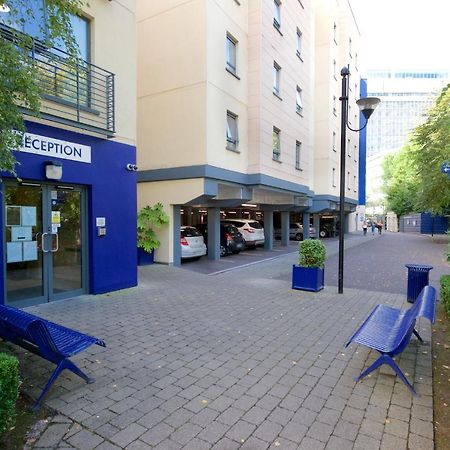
75,93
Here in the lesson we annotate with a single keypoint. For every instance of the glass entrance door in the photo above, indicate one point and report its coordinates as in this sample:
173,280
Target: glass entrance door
45,251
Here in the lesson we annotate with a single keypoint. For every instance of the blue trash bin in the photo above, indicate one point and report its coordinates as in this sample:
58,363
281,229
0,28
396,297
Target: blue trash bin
418,278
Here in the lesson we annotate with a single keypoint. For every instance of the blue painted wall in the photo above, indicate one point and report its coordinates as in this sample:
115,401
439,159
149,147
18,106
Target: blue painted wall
111,193
362,149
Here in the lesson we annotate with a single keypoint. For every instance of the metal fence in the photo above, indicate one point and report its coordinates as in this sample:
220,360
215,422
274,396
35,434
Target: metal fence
74,92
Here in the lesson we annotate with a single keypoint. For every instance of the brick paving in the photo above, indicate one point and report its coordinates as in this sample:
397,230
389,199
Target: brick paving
236,360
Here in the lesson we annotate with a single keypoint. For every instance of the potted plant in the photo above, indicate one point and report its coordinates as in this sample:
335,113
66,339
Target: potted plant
148,218
309,274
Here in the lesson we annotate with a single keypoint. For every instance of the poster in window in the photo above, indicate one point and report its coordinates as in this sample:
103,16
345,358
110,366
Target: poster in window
13,252
13,216
28,216
30,252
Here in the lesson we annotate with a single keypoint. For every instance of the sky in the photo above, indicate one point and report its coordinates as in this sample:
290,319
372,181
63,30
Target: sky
404,34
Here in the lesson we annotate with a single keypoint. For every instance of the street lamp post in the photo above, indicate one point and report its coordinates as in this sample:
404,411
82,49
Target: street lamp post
366,106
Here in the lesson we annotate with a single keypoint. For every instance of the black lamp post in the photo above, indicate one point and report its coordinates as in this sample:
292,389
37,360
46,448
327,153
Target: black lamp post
366,106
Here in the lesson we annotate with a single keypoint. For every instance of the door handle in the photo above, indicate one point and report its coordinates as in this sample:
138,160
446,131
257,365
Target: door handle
53,250
43,242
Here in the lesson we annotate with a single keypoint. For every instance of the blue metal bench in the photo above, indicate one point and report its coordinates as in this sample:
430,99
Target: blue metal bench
47,339
388,330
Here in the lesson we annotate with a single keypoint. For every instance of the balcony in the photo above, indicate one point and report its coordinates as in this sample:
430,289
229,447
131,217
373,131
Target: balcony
74,92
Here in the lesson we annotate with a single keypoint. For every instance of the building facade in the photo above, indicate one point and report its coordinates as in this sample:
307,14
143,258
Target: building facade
69,217
228,114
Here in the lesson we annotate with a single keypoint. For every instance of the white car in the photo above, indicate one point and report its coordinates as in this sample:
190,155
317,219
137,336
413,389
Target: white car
295,232
192,243
251,230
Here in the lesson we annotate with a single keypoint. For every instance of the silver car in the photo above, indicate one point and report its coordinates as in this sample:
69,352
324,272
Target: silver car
192,243
295,232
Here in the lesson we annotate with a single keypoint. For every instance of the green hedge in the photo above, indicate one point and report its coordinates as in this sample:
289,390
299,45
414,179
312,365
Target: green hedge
9,390
445,293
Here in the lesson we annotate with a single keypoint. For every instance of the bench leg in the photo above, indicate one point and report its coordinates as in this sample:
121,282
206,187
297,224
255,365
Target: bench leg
416,333
64,364
386,359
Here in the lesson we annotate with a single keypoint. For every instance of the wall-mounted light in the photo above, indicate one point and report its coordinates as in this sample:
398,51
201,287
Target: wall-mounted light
249,205
53,170
132,167
4,8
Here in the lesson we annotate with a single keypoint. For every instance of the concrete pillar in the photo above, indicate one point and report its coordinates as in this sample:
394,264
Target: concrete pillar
176,236
213,233
316,224
284,228
268,230
306,225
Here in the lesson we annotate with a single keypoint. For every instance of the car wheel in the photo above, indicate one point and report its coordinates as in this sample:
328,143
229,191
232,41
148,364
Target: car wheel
299,237
223,251
322,233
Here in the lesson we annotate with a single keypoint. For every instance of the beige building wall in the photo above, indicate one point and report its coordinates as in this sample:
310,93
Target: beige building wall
337,45
267,46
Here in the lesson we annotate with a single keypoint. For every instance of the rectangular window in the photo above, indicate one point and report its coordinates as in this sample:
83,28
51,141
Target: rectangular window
334,105
277,14
298,151
232,131
299,101
276,147
231,44
333,180
276,79
334,141
354,183
349,152
348,181
299,43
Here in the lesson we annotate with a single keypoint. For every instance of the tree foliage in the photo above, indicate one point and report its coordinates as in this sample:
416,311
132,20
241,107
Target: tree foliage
430,150
19,85
413,181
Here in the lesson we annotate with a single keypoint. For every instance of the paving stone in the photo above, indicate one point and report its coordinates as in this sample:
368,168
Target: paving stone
53,434
267,431
416,442
197,444
214,432
422,428
226,444
85,440
338,443
390,442
311,444
128,435
294,432
397,428
185,433
320,431
366,443
241,431
346,430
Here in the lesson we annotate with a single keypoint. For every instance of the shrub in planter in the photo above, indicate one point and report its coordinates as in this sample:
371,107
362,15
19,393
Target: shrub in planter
9,390
445,293
148,218
309,274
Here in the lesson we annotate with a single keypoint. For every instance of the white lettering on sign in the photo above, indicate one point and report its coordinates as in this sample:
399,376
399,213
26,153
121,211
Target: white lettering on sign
55,148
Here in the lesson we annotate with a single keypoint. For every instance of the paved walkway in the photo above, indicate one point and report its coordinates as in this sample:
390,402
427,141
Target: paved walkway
235,360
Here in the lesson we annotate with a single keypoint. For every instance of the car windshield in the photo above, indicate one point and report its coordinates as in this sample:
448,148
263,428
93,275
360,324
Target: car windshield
190,232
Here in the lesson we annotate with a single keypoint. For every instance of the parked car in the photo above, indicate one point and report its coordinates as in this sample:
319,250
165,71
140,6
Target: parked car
251,230
192,243
295,232
326,230
231,240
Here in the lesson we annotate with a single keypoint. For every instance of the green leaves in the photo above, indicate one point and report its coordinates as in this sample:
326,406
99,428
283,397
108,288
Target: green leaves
148,217
19,78
312,253
413,181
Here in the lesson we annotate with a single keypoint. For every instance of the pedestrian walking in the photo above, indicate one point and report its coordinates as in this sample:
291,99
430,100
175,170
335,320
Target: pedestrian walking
364,227
379,227
373,227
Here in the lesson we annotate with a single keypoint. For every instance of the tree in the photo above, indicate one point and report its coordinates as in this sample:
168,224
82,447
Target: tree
430,149
400,182
20,85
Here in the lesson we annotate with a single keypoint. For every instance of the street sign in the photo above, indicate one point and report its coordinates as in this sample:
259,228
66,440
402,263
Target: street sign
446,168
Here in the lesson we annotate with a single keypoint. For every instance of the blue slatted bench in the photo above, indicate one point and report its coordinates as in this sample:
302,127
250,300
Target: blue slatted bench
47,339
388,330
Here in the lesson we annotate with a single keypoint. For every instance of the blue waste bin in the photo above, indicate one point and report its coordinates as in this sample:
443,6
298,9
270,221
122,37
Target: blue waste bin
418,278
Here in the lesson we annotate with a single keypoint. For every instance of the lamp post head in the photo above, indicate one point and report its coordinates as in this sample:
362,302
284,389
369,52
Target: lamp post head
4,8
367,105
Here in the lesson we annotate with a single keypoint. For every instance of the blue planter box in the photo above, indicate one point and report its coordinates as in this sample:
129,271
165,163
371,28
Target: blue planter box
144,258
307,278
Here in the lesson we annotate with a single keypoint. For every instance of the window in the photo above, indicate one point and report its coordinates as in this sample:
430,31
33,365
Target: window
333,180
232,131
350,47
348,181
276,148
334,105
231,44
355,187
348,148
334,141
299,43
276,79
299,102
277,14
334,69
335,32
298,150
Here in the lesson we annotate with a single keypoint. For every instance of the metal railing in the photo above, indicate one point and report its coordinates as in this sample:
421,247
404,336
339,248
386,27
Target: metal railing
74,92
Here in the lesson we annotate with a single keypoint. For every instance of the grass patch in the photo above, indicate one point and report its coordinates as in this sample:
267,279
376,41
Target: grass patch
441,379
